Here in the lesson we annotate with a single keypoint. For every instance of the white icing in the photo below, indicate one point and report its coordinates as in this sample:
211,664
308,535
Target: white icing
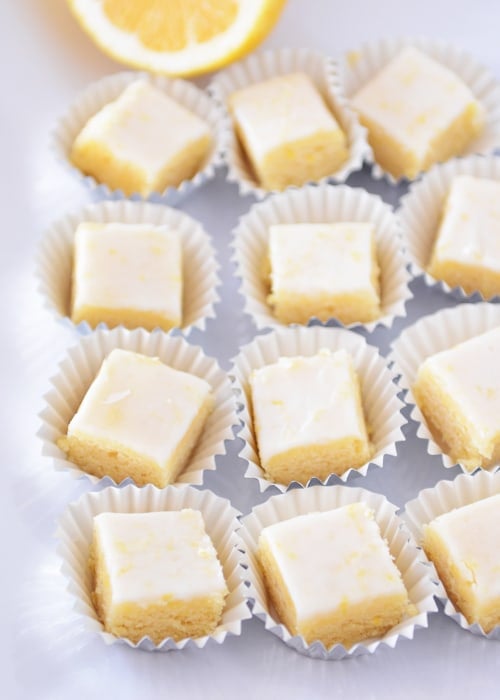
152,555
470,231
414,98
128,266
333,559
157,406
322,258
302,401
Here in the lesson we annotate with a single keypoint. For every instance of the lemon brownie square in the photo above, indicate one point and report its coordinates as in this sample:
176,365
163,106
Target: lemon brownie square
128,274
308,417
331,576
156,574
138,419
458,391
464,547
142,142
324,271
417,112
287,131
466,252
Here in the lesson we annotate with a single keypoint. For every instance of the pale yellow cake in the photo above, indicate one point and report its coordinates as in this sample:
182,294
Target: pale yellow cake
139,419
308,417
128,274
331,576
287,131
142,142
466,252
458,391
156,574
417,112
324,271
464,546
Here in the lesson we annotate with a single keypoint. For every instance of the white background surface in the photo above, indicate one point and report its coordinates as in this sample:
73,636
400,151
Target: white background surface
46,60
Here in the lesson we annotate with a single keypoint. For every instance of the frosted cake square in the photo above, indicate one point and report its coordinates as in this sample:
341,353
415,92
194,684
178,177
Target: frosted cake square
308,417
324,271
287,131
331,576
139,419
128,274
417,112
156,574
458,391
466,252
142,142
464,547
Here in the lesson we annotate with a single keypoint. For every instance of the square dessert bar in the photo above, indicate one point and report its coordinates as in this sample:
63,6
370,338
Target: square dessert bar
156,574
467,248
458,391
287,131
331,576
464,546
324,271
308,417
417,112
144,142
128,274
139,419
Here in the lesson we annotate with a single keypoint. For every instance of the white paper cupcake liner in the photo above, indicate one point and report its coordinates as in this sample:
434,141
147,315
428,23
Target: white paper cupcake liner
199,266
79,368
104,91
429,335
323,204
361,65
381,404
409,559
75,535
445,496
420,215
269,64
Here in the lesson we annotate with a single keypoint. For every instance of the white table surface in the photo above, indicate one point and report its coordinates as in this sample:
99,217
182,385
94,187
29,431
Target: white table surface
45,653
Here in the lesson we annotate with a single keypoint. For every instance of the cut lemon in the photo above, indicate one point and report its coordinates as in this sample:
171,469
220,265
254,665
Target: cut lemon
177,37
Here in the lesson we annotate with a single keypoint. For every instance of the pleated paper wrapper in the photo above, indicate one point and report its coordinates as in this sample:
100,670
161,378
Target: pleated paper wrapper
442,498
421,210
409,559
74,536
315,205
199,265
359,66
78,369
265,65
106,90
381,405
429,335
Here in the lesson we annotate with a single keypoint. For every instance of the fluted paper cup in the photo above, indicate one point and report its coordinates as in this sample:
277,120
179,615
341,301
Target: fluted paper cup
421,209
429,335
442,498
74,534
79,368
199,266
359,66
381,405
314,205
265,65
107,89
408,558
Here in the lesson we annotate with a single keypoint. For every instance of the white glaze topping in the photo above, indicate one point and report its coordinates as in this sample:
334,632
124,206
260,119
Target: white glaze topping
302,401
333,559
131,266
140,403
150,556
